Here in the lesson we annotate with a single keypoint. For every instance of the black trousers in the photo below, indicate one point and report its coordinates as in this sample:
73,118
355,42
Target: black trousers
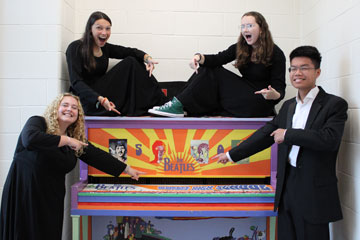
217,91
291,222
129,87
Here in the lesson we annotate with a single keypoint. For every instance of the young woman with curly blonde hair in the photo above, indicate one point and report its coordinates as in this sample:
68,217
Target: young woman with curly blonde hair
75,130
48,148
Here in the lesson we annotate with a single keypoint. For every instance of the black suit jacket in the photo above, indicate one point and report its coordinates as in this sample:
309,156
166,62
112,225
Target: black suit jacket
317,193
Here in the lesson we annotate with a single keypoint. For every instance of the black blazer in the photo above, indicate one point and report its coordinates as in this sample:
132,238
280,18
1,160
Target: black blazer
319,143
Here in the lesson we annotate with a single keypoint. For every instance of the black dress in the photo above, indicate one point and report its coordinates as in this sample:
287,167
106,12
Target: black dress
127,84
217,91
32,203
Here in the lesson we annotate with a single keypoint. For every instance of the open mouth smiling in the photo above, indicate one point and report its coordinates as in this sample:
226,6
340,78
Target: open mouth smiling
102,39
298,80
68,114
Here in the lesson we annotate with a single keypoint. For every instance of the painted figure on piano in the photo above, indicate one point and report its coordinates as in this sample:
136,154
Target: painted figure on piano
118,149
159,149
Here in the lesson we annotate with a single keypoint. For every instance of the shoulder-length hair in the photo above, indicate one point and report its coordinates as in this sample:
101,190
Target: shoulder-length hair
263,53
75,130
88,40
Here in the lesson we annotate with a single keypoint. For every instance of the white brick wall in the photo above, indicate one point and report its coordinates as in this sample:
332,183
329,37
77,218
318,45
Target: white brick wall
35,35
30,66
331,26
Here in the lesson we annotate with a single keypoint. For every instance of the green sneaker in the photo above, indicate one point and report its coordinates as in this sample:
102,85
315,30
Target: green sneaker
173,108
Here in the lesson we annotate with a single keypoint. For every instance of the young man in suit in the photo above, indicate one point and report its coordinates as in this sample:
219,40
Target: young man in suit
308,130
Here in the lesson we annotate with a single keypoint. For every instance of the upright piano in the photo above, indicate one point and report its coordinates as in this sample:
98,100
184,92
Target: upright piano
181,181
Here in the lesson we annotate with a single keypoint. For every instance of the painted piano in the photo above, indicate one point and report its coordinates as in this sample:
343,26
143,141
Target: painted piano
182,181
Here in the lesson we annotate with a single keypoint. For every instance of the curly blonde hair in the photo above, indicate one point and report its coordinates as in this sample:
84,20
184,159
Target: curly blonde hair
75,130
264,52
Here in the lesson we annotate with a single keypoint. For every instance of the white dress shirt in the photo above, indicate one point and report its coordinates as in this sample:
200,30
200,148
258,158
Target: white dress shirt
299,119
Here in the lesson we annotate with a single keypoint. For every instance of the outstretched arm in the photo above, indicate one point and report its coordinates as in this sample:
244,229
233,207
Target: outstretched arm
107,163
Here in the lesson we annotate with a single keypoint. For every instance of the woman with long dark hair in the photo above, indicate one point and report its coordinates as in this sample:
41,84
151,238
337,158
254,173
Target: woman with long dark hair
213,90
127,89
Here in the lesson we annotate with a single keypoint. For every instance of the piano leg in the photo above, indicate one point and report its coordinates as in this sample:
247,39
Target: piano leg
75,227
272,228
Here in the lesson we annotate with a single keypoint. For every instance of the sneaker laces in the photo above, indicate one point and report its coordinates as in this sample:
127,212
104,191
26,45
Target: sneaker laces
166,105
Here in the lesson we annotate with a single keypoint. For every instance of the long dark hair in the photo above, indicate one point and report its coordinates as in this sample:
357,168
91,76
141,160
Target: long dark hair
88,40
263,53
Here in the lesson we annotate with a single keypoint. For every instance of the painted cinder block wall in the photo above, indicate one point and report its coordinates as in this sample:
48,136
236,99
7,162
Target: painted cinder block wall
34,36
332,27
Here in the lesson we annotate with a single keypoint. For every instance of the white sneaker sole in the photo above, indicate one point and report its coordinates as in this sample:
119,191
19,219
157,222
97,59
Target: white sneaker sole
165,114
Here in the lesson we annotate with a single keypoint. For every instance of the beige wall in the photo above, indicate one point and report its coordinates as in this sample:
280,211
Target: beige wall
34,36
